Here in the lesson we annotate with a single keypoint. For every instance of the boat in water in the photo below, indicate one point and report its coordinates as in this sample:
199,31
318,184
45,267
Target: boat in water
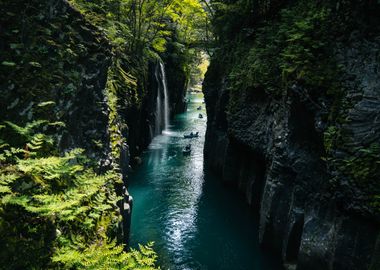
187,150
191,135
200,116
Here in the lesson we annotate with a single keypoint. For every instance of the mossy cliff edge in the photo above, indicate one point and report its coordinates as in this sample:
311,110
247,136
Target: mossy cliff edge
72,104
293,101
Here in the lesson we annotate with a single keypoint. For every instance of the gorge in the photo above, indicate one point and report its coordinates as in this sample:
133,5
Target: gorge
194,222
96,97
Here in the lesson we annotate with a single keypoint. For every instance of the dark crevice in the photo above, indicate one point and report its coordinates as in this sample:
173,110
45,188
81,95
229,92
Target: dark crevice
294,241
245,169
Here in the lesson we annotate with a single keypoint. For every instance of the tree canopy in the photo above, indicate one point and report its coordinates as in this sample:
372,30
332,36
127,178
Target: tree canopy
141,25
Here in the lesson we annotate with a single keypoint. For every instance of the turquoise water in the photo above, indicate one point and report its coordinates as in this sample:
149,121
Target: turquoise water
195,222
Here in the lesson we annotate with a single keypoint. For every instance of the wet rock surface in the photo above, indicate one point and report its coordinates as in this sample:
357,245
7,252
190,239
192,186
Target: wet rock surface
272,149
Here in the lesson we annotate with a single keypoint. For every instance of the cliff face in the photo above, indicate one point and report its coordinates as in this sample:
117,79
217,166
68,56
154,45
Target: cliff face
177,77
54,55
293,157
58,67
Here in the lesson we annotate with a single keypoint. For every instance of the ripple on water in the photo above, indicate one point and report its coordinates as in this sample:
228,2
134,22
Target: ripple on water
176,207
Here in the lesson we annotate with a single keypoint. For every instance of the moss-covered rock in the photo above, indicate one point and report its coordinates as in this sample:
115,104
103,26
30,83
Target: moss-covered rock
59,72
61,75
292,103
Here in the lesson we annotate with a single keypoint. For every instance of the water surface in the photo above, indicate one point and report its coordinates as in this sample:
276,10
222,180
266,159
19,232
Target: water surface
195,222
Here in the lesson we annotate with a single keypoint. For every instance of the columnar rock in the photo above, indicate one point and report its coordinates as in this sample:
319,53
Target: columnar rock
275,147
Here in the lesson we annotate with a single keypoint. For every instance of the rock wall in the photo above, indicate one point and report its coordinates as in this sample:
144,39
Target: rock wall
54,67
272,148
54,55
141,119
177,77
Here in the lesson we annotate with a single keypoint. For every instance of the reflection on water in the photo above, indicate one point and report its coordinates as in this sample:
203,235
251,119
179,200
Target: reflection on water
194,222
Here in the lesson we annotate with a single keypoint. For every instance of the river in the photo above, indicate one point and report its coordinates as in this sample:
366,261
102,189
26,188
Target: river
195,222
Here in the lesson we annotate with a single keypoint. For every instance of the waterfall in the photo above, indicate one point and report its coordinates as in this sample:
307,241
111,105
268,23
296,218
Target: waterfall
166,97
151,134
162,108
158,110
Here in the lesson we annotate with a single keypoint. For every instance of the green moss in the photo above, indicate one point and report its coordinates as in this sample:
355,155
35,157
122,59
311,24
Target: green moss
291,49
361,165
293,45
331,135
118,80
364,165
56,210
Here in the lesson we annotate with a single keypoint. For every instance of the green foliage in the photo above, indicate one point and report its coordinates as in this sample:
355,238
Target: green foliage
140,25
364,164
102,255
331,136
361,165
27,131
119,85
8,64
142,30
231,17
56,212
199,70
306,40
276,49
289,50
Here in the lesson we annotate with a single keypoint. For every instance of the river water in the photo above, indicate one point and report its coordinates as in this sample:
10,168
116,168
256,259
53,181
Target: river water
195,222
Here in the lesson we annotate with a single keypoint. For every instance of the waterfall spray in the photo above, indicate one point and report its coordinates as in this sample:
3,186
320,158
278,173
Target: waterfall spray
166,97
162,108
158,110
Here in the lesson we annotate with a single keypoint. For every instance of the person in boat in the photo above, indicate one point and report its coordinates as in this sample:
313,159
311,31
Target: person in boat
187,149
191,134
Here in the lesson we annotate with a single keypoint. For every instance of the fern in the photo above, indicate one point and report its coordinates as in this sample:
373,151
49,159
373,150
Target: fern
64,193
28,130
105,254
